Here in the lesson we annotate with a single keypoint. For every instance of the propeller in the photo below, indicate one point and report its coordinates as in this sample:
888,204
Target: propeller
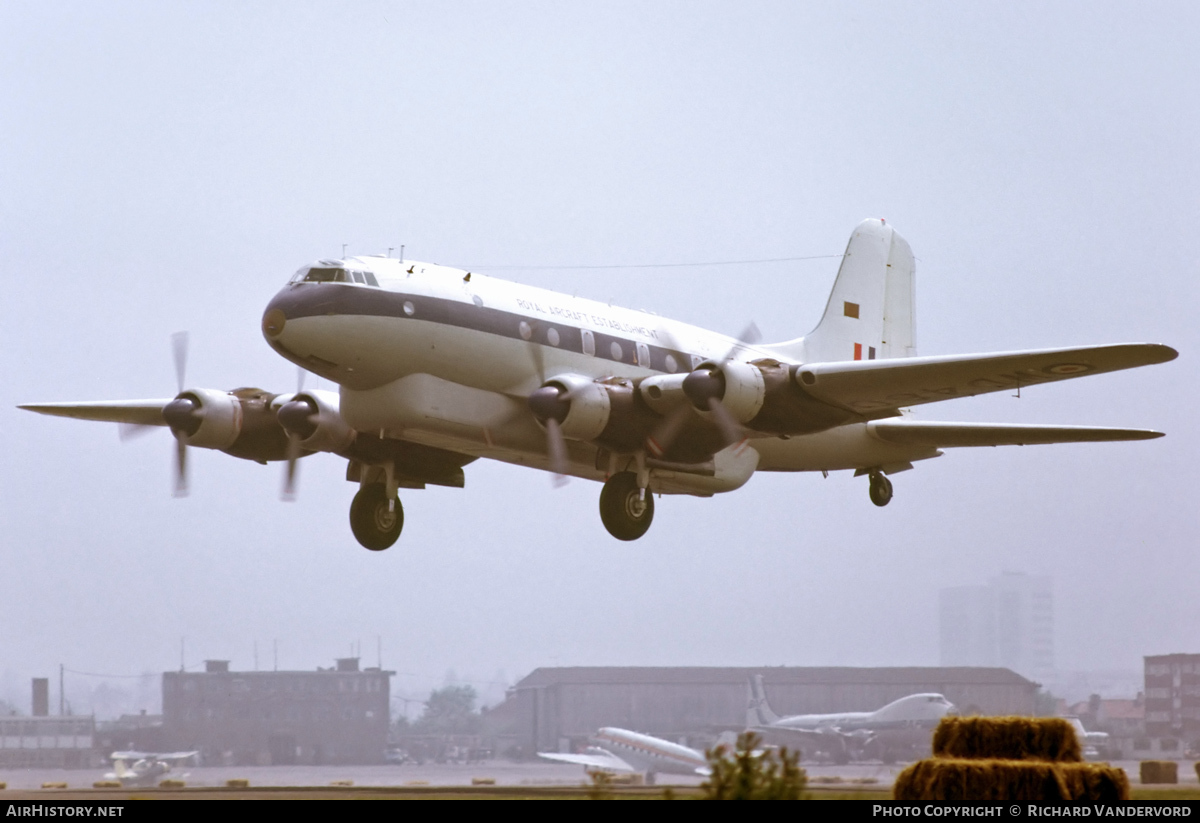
183,414
299,418
550,405
705,388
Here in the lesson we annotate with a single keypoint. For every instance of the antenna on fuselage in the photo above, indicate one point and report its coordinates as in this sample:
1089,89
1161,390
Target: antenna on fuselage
344,250
401,252
389,254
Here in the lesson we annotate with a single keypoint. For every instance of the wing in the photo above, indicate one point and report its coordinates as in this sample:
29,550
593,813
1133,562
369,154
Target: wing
136,412
950,435
825,736
607,761
867,386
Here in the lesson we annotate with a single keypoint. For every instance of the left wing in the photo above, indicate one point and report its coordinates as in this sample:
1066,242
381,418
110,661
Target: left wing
867,386
948,435
136,412
601,759
153,755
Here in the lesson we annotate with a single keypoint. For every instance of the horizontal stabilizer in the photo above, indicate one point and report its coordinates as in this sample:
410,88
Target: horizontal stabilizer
950,435
868,386
137,412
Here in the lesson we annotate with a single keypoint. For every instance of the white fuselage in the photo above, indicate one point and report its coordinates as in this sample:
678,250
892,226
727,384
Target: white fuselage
432,356
650,754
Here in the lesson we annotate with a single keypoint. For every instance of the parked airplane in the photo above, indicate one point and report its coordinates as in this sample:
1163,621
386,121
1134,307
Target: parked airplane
901,728
437,367
1094,745
620,750
144,768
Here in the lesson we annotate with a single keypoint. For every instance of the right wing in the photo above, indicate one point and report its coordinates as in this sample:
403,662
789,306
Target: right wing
607,760
135,412
868,386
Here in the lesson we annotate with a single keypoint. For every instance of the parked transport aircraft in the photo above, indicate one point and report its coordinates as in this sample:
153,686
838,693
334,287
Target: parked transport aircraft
620,750
438,367
901,729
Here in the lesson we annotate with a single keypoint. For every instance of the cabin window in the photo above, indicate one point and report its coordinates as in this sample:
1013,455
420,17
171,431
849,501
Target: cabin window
589,342
643,353
615,350
552,336
371,281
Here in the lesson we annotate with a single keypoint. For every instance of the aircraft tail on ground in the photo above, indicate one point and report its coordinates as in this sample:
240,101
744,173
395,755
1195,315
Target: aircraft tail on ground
870,314
758,712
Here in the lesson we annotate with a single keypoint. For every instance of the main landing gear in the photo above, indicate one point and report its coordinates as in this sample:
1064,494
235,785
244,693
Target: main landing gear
881,489
626,507
375,524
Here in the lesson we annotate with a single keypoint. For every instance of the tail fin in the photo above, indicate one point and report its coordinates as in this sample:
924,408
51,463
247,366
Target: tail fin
758,713
870,313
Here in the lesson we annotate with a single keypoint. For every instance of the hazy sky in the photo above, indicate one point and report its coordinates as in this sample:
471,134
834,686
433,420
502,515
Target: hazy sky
167,166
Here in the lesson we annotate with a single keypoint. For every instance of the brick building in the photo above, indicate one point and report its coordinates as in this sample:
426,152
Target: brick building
335,715
1173,699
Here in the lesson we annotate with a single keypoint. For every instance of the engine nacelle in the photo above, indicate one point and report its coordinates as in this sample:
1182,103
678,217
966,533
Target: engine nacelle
765,396
214,420
314,418
744,391
587,406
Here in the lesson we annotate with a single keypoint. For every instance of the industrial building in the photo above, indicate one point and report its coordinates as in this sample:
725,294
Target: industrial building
42,741
1173,701
335,715
556,709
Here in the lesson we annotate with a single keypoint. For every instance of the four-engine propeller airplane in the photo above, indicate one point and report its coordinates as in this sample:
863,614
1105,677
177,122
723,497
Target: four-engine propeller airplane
900,729
438,367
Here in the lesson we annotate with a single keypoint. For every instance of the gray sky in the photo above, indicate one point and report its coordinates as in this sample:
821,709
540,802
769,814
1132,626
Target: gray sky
167,166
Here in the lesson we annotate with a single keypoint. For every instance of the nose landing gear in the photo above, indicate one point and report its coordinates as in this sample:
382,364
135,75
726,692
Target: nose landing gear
375,524
881,489
626,508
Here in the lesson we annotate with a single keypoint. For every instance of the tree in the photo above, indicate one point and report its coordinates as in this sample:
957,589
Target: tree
750,773
450,710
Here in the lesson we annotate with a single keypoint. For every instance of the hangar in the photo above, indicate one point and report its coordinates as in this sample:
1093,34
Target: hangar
555,709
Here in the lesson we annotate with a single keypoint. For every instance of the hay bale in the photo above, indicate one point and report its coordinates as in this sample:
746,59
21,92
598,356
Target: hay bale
171,783
1197,774
237,783
1159,771
106,784
483,781
1007,738
1011,781
54,784
342,784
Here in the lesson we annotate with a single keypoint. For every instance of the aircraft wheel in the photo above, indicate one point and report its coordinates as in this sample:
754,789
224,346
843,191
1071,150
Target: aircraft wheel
881,489
625,512
375,526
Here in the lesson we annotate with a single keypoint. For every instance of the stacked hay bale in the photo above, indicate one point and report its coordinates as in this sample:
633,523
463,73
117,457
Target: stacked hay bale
1159,771
1009,759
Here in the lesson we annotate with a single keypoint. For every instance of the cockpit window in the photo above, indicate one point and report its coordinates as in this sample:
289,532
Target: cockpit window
334,274
316,275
